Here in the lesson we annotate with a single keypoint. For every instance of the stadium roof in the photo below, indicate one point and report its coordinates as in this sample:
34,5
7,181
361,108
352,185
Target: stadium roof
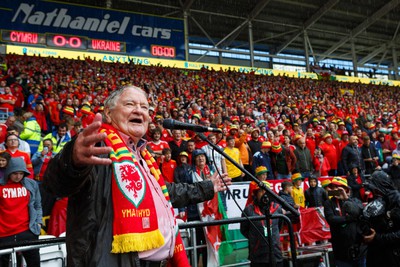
364,30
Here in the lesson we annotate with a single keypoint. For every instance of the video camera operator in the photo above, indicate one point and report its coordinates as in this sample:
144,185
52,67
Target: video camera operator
383,215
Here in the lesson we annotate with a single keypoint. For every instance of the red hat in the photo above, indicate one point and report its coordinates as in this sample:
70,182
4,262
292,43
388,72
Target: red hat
297,137
327,135
276,147
266,144
68,111
85,109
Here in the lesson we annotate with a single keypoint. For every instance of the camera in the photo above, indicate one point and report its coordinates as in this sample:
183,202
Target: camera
334,193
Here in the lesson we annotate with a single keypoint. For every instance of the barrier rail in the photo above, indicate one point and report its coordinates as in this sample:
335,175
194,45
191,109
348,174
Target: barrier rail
14,247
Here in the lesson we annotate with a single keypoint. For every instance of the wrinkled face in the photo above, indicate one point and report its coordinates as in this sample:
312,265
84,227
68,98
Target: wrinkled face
131,114
200,160
177,134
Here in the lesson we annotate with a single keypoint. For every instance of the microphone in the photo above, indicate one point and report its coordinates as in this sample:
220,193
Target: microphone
177,125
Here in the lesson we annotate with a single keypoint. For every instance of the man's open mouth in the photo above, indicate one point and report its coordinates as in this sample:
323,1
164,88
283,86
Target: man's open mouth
136,120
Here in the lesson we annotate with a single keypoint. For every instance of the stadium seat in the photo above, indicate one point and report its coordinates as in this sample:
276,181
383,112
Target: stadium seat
51,256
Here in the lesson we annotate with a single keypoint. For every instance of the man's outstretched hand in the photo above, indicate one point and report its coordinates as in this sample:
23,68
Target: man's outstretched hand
220,182
85,152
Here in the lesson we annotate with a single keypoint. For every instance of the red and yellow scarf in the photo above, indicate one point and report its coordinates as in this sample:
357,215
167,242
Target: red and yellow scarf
135,225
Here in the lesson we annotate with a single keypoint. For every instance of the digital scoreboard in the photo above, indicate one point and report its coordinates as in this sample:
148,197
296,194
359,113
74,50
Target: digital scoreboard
51,24
62,41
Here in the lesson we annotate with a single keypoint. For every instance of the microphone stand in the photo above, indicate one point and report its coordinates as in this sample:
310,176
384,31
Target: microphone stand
265,200
271,194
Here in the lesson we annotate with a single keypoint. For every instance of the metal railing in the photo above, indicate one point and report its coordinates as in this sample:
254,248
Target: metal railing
14,247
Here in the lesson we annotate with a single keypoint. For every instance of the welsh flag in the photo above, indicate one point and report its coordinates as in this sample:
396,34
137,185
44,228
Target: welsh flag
217,236
314,226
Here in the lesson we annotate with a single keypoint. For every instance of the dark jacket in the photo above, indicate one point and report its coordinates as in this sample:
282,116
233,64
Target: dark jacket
315,196
351,156
289,199
346,240
369,152
258,248
303,159
175,149
90,209
287,157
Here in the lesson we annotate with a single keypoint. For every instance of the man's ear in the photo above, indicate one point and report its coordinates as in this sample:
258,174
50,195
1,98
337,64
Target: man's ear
107,115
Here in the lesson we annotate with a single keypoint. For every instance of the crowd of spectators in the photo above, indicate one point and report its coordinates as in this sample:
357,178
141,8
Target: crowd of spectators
297,117
285,124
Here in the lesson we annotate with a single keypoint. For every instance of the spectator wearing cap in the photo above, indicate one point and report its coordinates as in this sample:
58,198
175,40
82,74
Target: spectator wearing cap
21,210
259,250
315,196
369,155
330,152
298,192
87,115
351,156
31,132
177,145
341,212
283,161
304,162
262,158
233,172
261,173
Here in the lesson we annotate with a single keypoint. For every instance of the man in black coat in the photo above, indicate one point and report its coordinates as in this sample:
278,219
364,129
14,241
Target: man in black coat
369,155
351,156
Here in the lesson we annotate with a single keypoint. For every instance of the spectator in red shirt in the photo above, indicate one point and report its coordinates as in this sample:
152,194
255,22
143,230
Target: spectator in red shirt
157,145
12,144
7,101
21,210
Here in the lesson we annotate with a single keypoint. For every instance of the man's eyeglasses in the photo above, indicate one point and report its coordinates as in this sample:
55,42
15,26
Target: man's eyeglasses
12,140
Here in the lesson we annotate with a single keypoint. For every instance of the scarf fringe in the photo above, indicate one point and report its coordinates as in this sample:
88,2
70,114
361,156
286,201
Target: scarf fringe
137,242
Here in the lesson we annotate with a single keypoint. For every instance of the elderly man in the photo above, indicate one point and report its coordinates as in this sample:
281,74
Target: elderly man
118,210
